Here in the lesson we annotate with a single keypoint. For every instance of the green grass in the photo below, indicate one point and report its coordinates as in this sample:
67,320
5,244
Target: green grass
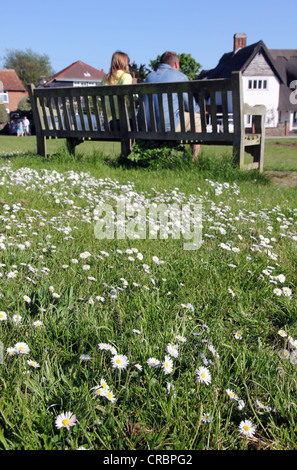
204,295
278,156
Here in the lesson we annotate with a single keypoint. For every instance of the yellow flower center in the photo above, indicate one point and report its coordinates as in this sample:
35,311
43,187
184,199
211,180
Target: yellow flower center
118,361
246,428
66,422
203,375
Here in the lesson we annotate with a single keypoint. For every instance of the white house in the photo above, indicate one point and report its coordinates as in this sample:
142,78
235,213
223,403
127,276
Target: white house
265,81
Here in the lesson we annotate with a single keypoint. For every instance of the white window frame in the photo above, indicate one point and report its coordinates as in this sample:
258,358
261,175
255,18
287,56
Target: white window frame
4,97
258,84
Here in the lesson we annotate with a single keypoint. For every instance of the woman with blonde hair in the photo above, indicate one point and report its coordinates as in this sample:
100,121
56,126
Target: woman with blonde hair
118,75
119,70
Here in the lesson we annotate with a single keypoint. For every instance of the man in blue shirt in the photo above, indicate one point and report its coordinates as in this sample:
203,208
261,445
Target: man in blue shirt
168,71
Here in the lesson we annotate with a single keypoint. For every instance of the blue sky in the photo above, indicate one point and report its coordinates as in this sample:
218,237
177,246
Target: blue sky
91,31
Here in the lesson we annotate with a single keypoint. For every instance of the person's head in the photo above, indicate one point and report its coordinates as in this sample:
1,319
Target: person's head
119,61
170,58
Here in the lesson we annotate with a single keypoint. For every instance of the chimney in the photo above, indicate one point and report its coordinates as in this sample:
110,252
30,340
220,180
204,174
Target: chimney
239,41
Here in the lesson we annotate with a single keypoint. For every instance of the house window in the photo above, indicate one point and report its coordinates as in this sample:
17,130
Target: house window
4,97
257,84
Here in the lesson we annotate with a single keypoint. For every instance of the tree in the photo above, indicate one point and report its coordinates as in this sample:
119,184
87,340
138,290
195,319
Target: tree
24,105
29,65
139,72
3,115
187,65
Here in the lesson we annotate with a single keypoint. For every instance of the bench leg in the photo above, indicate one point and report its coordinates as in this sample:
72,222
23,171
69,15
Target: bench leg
71,144
125,147
238,152
41,145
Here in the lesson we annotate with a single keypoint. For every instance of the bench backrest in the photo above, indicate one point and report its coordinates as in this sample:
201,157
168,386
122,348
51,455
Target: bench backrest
87,112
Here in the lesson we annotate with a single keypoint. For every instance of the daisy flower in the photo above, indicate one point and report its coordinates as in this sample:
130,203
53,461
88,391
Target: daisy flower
247,428
119,361
11,351
65,420
167,365
172,349
277,291
203,375
139,367
3,316
238,335
110,396
284,354
104,346
27,299
37,323
206,418
85,357
287,291
99,391
260,404
21,348
231,394
182,339
241,405
33,364
103,384
11,274
282,333
153,362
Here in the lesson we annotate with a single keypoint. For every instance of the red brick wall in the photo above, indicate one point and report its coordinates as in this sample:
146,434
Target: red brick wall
14,98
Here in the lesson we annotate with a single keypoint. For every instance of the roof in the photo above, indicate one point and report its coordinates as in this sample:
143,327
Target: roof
78,71
10,80
238,61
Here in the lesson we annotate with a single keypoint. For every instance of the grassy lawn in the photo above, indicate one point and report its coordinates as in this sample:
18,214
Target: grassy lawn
278,155
152,346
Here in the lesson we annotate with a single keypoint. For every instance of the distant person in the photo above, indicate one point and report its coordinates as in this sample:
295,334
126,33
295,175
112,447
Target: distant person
20,129
168,71
26,126
118,75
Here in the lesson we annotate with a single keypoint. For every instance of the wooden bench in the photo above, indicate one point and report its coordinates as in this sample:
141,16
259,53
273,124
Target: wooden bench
80,113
